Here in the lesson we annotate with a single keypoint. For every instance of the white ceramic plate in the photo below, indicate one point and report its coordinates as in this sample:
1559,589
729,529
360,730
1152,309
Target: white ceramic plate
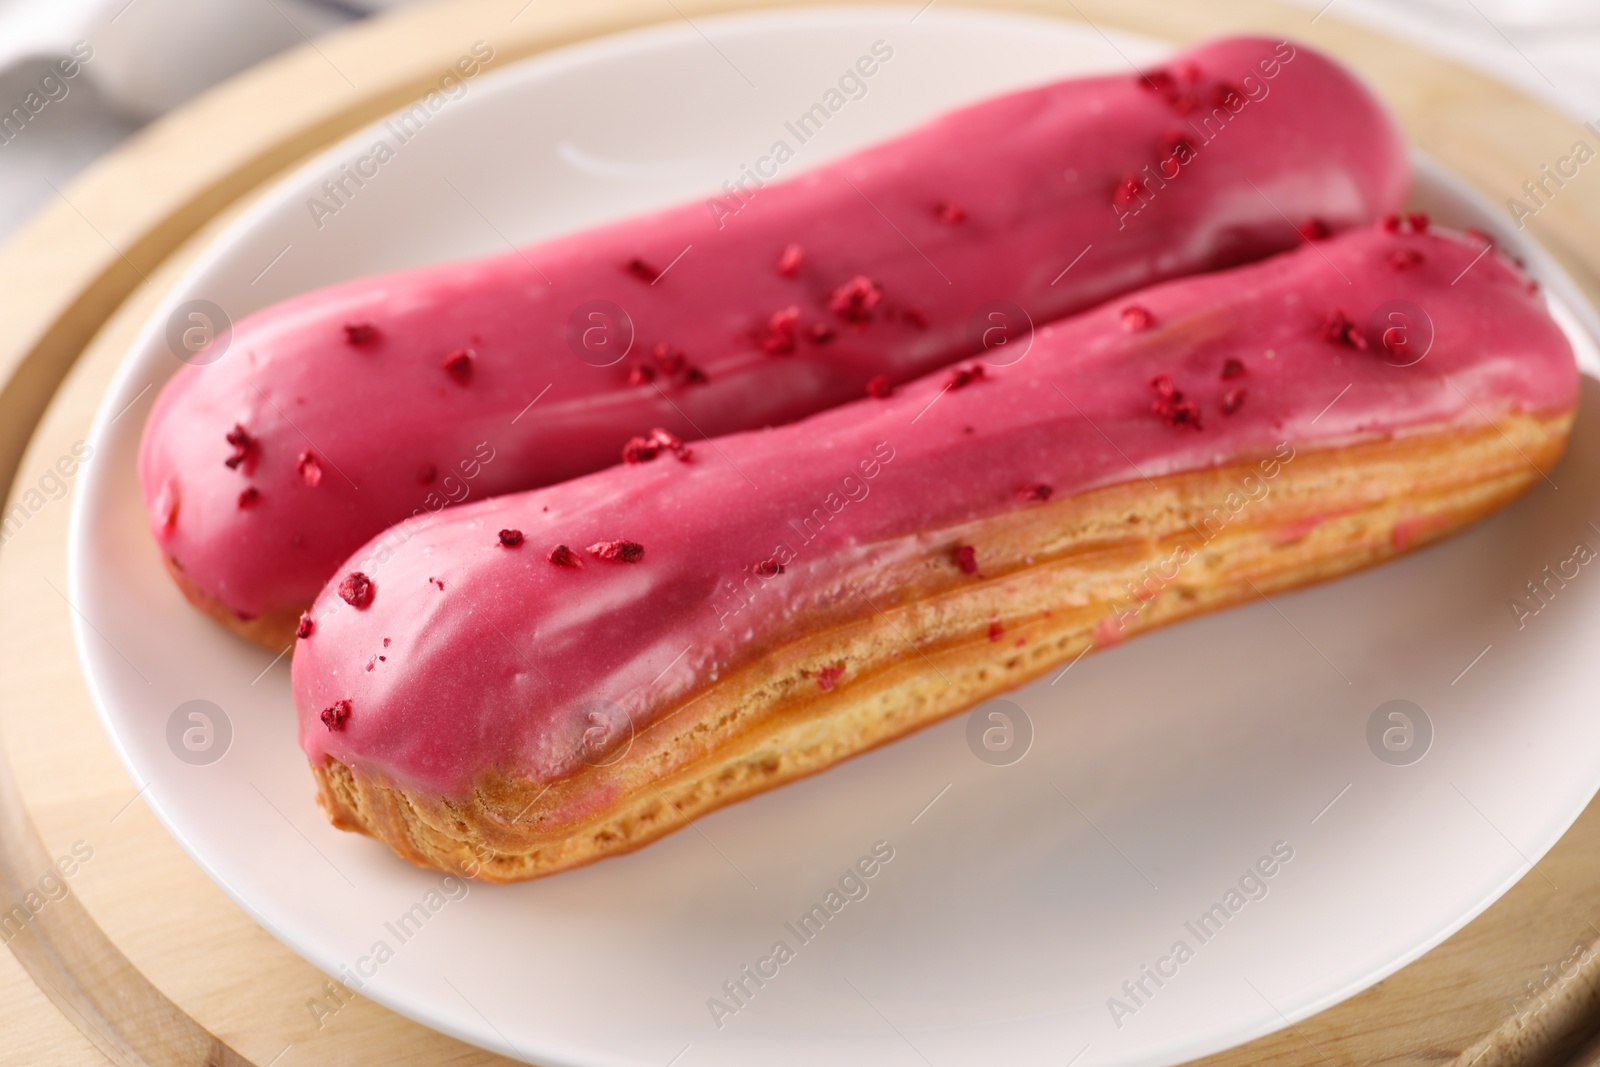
1019,898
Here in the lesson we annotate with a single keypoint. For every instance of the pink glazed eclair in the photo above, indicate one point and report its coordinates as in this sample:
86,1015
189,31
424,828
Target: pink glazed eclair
544,679
344,412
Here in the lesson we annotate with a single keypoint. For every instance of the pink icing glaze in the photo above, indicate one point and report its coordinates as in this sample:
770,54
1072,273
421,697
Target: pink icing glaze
503,667
1035,175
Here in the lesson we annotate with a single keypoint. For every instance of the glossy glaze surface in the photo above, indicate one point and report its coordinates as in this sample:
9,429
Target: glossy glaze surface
1023,198
475,655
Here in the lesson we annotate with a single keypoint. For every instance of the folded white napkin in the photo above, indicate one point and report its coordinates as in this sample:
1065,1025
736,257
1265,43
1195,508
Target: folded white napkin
77,76
149,56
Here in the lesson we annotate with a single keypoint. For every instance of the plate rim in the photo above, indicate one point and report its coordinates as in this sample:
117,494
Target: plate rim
1542,265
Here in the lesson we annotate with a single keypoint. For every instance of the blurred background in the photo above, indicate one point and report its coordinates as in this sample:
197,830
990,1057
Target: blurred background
150,56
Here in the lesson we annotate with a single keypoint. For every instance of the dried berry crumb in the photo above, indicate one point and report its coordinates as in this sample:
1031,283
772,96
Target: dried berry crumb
1232,368
1136,319
671,442
1176,146
1171,405
305,627
360,334
357,590
1395,343
768,568
1128,191
562,556
642,449
669,359
641,270
245,447
962,377
1414,222
249,497
854,300
789,262
916,318
1187,100
1403,259
309,468
621,551
950,213
510,538
639,450
821,333
1338,329
335,715
1314,229
880,387
459,364
1232,400
426,474
996,631
966,558
641,374
1034,491
1160,82
1178,92
828,677
672,363
781,334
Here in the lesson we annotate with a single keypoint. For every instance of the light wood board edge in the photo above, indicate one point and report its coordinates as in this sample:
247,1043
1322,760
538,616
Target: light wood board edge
169,927
62,278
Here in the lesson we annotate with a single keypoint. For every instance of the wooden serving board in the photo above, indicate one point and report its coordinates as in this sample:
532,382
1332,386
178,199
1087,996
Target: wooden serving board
129,953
